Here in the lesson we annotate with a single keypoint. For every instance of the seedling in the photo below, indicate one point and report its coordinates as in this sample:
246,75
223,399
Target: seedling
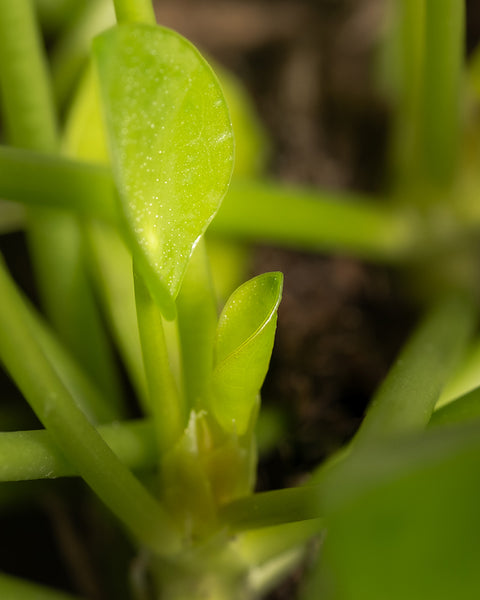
117,208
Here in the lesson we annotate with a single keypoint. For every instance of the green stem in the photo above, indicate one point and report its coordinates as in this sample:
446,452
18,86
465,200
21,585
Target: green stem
407,45
277,507
70,53
134,11
93,404
70,430
54,238
197,321
262,545
112,268
27,99
430,61
442,86
27,455
314,220
46,181
166,404
15,588
407,397
252,210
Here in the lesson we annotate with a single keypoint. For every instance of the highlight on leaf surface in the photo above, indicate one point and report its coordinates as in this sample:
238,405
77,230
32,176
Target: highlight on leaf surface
171,146
242,350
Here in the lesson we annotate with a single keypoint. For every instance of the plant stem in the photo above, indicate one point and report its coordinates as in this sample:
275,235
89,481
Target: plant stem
45,181
112,269
134,11
27,101
54,238
314,220
253,210
70,53
15,588
166,404
197,321
93,404
277,507
27,455
442,86
70,430
259,546
407,44
407,397
430,59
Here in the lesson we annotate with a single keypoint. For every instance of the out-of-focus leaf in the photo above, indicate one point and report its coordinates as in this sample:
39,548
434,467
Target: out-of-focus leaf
171,146
403,520
243,346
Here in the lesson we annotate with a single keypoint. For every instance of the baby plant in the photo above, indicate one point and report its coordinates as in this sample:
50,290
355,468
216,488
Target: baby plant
117,203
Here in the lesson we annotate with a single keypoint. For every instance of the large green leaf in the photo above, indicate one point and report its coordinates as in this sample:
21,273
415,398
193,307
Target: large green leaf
403,520
243,346
171,146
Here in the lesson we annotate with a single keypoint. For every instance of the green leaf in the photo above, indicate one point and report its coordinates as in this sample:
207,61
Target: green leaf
243,345
171,146
403,520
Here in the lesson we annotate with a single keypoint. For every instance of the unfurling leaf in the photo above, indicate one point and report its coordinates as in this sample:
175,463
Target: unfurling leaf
243,346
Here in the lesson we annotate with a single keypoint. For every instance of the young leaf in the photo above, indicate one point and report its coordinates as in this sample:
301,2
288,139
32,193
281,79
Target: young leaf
171,146
243,346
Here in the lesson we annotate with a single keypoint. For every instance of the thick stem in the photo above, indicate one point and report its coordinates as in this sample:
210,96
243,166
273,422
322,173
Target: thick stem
81,444
197,321
134,11
165,402
26,95
54,238
442,84
407,397
41,180
27,455
315,220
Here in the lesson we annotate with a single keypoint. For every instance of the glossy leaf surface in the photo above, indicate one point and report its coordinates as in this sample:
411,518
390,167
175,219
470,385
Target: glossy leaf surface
171,146
243,345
